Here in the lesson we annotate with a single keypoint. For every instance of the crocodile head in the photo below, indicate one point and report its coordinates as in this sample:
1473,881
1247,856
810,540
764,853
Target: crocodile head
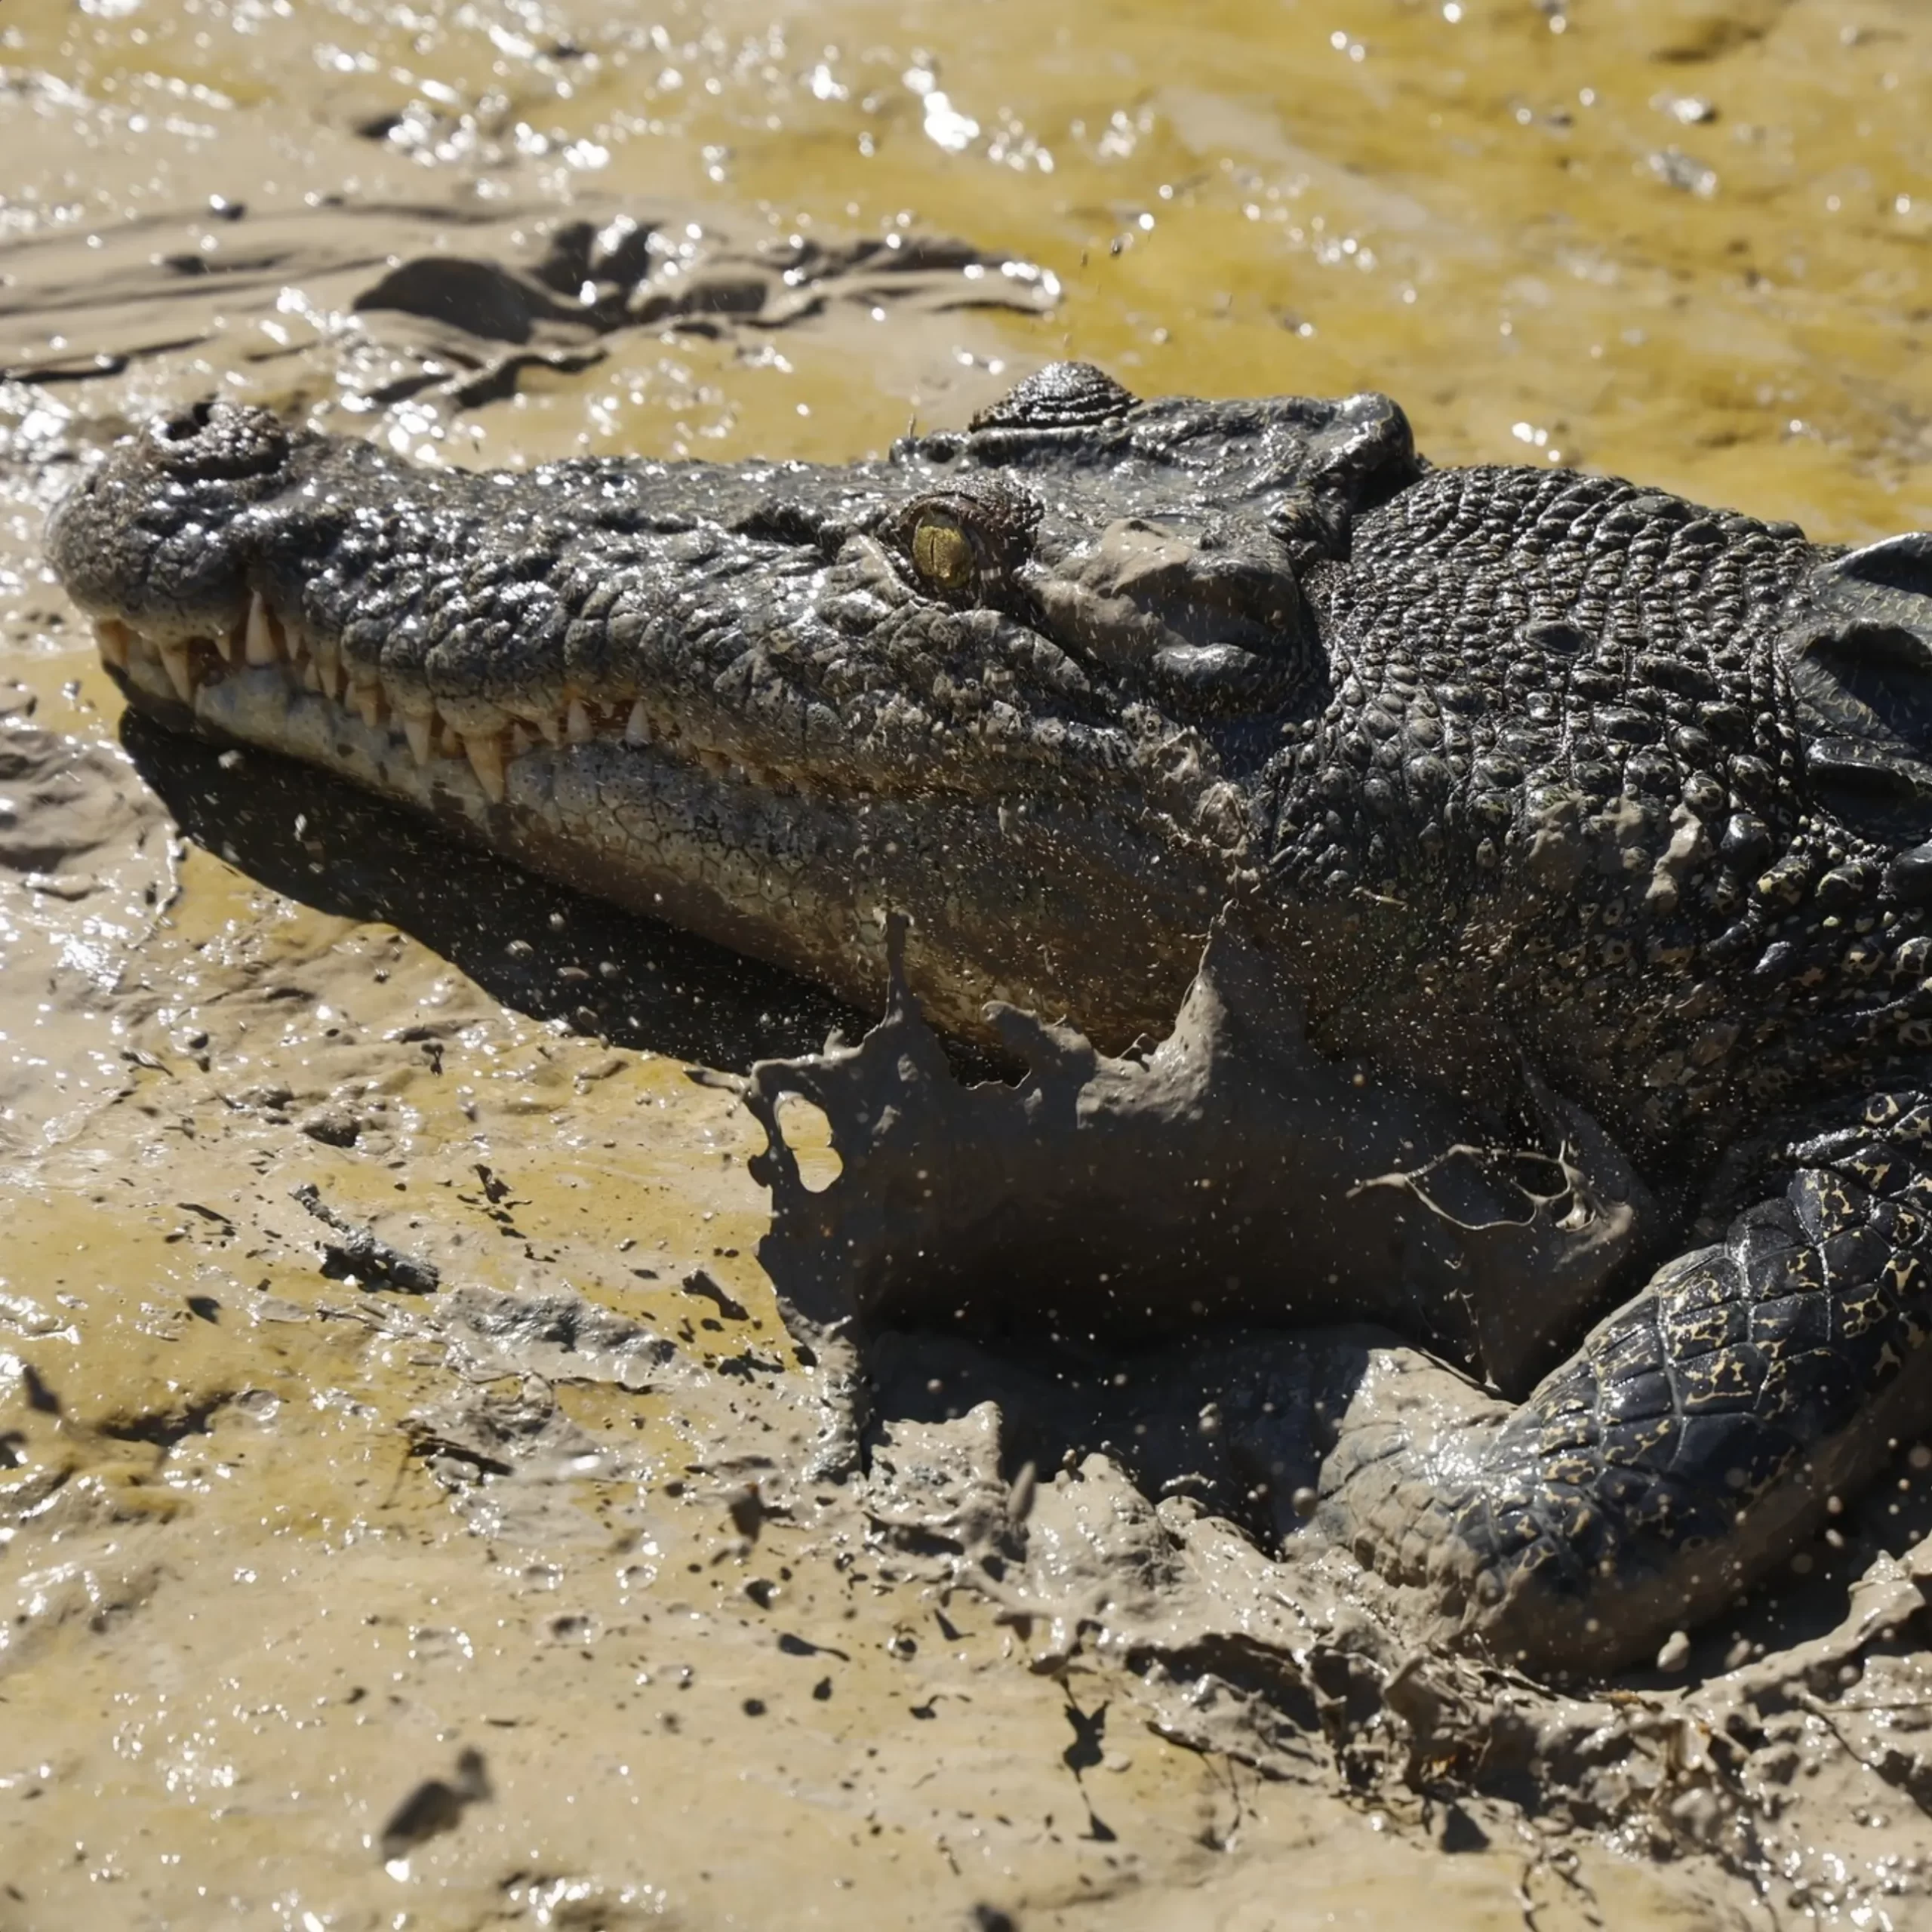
1021,680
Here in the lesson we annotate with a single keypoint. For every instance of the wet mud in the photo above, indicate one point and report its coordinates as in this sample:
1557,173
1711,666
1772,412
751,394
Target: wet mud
414,1510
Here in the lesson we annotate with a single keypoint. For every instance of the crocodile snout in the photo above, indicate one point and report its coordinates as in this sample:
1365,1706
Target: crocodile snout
151,542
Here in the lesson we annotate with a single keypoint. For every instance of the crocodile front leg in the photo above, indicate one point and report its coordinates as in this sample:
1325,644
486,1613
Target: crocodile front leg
1695,1438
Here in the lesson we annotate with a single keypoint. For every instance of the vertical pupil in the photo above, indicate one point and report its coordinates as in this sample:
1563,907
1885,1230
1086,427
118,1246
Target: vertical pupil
942,554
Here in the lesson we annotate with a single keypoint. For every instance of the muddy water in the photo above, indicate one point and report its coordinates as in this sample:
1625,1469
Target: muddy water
326,1604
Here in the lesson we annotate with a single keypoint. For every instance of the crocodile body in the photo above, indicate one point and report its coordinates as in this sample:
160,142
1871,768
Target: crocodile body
1563,813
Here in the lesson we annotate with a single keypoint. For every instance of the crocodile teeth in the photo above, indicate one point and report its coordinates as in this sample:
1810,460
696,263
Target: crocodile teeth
417,731
368,701
111,638
486,760
311,678
522,738
230,641
637,727
175,658
576,723
552,729
261,647
328,664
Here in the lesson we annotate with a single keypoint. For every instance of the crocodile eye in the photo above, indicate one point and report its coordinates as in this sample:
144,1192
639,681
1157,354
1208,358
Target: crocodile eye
964,542
942,554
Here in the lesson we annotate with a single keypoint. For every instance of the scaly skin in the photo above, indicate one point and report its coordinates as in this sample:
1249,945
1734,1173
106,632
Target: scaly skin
1528,783
780,734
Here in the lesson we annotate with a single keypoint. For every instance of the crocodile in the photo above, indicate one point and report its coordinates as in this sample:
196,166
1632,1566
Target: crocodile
1562,850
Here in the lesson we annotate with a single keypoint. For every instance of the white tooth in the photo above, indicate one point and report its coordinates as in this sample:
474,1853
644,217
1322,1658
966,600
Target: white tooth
486,760
328,662
552,728
449,742
262,647
522,738
368,700
637,727
180,672
576,723
111,638
229,642
311,679
418,729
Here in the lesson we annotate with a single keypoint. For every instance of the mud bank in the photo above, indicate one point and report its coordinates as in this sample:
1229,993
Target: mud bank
328,1597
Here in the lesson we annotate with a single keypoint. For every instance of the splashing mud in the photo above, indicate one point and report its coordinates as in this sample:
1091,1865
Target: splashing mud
532,1599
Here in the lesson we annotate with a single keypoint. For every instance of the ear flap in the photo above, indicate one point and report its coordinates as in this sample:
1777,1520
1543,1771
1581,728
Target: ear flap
1859,658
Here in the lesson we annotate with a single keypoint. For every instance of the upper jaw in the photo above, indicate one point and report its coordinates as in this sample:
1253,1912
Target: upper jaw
747,654
214,547
787,701
480,618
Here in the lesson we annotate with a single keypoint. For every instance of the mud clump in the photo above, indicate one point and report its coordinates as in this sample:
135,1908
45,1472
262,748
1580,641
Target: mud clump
276,1551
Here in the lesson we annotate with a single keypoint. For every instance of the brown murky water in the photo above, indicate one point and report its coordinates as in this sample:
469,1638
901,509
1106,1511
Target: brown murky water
279,1553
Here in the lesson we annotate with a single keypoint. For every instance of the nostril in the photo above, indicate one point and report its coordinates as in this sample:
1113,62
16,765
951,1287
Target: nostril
215,440
189,423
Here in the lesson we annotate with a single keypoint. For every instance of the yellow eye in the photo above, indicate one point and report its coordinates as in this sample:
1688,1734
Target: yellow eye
943,553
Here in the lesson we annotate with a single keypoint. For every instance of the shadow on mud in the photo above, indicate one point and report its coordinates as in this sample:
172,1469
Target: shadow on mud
1159,1259
533,946
1178,1414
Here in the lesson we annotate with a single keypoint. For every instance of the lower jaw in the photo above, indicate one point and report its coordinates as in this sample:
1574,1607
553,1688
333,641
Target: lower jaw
1102,935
